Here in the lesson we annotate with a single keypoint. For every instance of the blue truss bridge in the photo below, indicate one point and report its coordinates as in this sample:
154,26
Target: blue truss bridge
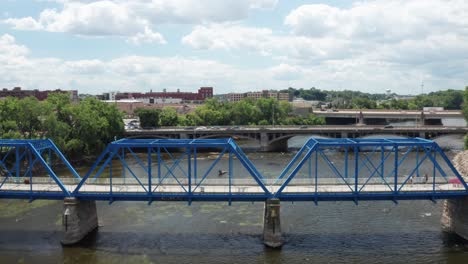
181,170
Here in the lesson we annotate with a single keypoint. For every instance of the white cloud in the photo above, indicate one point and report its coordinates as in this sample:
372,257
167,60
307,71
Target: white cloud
136,20
390,41
380,20
371,46
9,47
147,36
286,72
98,18
264,41
229,37
142,73
26,23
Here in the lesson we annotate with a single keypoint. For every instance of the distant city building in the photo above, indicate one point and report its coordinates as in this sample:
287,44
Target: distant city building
161,100
235,97
202,94
40,95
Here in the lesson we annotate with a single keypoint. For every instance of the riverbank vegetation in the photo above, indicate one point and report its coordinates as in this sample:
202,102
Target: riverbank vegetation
264,111
78,129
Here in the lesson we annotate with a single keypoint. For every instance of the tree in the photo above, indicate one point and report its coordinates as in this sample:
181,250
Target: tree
169,117
79,130
148,117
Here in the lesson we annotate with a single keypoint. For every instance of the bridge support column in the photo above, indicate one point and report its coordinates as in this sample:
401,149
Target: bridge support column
455,217
79,219
271,224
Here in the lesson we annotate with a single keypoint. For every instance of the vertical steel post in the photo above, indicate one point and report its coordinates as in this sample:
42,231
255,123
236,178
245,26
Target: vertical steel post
346,162
230,172
310,168
30,170
382,158
356,168
17,165
195,165
434,170
159,165
316,172
149,171
110,177
124,170
417,161
189,169
395,148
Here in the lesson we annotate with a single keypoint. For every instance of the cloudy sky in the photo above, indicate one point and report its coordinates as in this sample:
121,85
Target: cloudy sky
234,45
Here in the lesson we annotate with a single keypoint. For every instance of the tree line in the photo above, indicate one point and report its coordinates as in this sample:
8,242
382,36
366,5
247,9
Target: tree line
78,129
449,99
264,111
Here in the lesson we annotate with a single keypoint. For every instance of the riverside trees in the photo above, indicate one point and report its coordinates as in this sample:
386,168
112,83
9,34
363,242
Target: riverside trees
79,130
264,111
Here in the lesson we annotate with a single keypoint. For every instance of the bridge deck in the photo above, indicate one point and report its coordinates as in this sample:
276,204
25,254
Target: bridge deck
208,191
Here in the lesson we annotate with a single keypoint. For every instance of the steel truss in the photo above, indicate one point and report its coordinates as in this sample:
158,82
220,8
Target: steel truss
361,178
164,176
170,169
19,160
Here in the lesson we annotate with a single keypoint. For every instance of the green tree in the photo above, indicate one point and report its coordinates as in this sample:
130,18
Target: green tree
169,117
148,117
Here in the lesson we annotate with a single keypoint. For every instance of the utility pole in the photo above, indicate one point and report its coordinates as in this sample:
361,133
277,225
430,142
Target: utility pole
273,115
422,87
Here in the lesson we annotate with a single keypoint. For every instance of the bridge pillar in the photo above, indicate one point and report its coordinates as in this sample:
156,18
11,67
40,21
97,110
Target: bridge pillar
422,119
271,224
275,146
361,119
79,219
455,217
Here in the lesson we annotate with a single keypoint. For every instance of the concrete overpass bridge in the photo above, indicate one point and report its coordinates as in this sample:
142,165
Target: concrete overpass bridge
276,138
374,116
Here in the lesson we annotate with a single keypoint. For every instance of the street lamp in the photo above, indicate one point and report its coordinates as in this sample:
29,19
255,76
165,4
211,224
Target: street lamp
273,115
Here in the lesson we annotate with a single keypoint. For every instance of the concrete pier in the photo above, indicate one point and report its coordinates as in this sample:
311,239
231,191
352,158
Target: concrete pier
455,217
79,219
271,224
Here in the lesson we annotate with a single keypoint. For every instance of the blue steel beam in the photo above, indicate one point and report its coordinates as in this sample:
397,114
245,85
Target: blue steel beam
190,145
312,146
355,194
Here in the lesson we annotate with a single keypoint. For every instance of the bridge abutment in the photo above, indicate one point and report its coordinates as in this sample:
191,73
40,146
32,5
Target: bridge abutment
455,217
271,224
79,219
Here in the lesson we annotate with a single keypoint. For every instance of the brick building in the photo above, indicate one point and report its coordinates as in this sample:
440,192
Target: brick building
235,97
202,94
40,95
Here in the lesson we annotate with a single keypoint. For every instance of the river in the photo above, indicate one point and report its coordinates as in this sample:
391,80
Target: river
173,232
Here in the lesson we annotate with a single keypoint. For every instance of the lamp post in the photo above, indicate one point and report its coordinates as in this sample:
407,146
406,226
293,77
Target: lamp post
273,115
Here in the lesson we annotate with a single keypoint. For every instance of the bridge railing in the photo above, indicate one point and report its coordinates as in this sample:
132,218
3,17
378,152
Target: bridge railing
29,169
